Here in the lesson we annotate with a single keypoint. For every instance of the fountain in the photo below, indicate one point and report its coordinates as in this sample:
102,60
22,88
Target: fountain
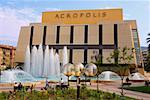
57,65
52,63
65,56
15,75
109,76
27,60
136,77
40,61
46,62
33,61
40,64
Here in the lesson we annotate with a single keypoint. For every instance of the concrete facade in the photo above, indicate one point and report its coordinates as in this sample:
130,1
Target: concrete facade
84,36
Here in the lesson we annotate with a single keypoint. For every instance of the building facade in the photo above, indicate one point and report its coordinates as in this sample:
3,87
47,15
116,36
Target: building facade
84,32
7,56
145,55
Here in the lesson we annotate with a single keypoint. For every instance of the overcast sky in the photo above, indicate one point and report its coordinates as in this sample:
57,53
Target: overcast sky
17,13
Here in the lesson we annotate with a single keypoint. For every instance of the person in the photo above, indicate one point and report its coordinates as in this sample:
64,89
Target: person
47,84
31,88
20,86
15,86
146,83
127,79
61,82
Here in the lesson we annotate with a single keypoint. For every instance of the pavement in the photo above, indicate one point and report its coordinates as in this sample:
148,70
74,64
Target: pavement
113,88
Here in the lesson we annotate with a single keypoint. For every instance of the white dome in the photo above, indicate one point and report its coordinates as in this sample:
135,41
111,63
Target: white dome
136,76
109,76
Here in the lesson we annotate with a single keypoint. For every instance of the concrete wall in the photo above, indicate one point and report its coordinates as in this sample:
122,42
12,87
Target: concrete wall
125,38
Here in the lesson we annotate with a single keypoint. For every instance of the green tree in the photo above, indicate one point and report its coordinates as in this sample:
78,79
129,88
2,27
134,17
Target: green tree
148,39
122,59
98,62
147,67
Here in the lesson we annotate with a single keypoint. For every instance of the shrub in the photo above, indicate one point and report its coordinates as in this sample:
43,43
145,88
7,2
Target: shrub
60,94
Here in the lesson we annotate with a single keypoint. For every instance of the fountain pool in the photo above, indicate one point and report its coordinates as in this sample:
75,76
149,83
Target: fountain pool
106,76
52,78
16,75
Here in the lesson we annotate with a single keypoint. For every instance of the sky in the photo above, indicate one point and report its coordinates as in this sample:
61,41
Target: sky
17,13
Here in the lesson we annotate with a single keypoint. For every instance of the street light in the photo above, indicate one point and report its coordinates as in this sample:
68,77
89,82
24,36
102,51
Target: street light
68,70
78,69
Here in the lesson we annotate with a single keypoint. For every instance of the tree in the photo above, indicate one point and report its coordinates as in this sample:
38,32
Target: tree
98,62
122,59
98,59
148,39
147,67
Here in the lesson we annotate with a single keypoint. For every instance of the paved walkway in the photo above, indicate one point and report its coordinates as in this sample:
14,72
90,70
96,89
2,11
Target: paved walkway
114,89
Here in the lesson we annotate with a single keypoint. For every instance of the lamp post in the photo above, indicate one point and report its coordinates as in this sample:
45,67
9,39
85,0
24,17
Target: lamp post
68,70
78,69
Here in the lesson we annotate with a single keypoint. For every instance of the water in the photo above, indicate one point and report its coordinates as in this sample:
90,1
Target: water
136,76
109,76
34,61
53,78
52,63
40,61
57,65
44,62
15,75
27,60
104,76
65,56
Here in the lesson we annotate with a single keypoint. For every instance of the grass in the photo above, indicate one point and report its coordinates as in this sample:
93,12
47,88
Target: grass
144,89
58,94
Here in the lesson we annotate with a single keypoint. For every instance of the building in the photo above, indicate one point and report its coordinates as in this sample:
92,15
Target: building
145,55
7,56
84,32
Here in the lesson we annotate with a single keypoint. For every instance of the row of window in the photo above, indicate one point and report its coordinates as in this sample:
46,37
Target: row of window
73,35
100,46
136,46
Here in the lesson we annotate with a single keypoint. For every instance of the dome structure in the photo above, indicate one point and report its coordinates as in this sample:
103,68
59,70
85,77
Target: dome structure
109,76
136,77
